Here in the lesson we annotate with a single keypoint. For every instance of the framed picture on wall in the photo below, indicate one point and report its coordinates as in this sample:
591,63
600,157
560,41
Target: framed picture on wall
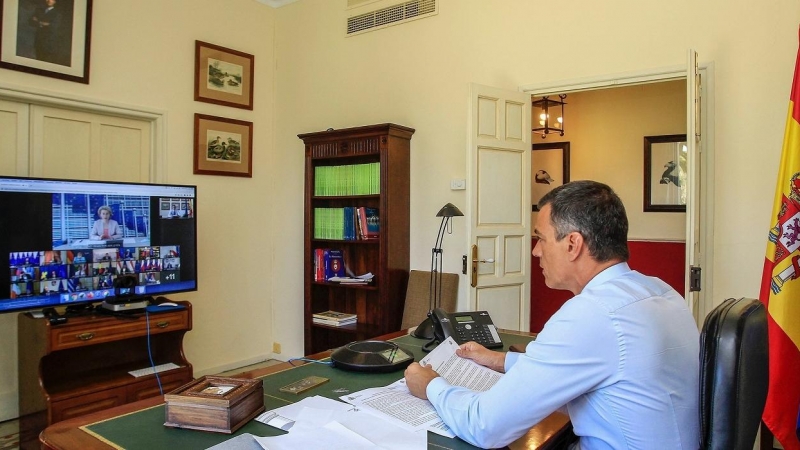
47,37
549,169
223,146
223,76
665,177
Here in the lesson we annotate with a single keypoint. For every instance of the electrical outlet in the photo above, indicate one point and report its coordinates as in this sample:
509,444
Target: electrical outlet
276,348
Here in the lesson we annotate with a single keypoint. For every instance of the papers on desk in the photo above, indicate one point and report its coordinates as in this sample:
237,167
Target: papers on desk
399,406
285,416
319,422
384,418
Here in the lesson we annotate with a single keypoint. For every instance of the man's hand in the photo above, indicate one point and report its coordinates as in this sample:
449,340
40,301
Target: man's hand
483,356
417,379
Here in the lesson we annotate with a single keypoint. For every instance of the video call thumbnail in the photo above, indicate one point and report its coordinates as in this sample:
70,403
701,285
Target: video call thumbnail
67,272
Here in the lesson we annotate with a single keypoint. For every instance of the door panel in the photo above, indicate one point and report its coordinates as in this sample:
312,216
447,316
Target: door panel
502,304
74,144
499,192
14,145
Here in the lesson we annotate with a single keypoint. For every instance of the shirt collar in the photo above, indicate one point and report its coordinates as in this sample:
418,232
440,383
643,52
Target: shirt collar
609,273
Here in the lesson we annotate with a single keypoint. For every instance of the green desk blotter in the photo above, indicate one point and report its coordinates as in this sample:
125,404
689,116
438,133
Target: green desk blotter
145,429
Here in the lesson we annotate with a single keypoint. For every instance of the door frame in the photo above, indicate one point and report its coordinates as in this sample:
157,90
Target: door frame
156,117
706,153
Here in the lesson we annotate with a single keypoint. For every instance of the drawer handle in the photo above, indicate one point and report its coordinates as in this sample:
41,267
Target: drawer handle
85,336
164,324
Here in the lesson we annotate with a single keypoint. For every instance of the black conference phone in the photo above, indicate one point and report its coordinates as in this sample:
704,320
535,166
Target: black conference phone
464,327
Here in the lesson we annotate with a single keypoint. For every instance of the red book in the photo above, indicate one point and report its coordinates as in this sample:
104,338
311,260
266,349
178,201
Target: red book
319,264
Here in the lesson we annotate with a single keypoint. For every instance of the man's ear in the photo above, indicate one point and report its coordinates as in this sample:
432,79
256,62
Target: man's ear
574,245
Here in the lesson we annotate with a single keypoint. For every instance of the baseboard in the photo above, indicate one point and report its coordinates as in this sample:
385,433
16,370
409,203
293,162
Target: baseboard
9,405
233,365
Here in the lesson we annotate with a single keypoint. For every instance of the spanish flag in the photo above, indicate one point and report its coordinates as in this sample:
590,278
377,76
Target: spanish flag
780,284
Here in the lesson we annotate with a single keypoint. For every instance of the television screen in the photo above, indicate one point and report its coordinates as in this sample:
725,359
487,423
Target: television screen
65,242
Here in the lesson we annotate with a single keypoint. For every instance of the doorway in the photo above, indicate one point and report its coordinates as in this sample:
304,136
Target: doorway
699,102
605,130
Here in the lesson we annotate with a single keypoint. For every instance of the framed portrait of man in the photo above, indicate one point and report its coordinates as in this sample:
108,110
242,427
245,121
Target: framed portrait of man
46,37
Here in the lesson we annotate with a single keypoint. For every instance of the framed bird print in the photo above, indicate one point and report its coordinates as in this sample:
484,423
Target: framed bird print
549,169
223,146
665,173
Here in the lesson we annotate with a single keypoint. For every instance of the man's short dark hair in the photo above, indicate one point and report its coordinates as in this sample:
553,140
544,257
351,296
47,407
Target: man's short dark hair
596,212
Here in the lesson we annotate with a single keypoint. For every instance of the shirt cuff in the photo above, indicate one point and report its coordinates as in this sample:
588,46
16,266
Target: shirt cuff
511,359
436,387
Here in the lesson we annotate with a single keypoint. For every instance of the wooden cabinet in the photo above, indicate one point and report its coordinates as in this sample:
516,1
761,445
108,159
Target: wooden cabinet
82,366
379,305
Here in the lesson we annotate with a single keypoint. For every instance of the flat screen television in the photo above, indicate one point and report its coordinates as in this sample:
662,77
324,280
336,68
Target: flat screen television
70,242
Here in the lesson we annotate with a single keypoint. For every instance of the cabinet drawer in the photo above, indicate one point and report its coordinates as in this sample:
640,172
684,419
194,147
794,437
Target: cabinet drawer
112,329
85,404
169,382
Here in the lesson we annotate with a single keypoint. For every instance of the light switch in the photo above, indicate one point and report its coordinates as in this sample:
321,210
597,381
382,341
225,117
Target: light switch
458,185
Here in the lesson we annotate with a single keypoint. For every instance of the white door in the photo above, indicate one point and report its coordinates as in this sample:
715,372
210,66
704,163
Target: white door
499,199
64,143
693,161
13,161
84,145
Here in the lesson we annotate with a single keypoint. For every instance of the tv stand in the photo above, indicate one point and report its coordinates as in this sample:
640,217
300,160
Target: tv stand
82,366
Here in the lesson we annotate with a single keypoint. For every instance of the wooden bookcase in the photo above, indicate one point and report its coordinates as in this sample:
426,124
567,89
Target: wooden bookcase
80,367
379,305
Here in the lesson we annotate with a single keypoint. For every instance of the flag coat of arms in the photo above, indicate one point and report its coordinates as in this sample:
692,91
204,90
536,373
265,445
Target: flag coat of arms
780,285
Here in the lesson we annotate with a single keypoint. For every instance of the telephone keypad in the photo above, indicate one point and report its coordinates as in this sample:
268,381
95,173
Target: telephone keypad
481,334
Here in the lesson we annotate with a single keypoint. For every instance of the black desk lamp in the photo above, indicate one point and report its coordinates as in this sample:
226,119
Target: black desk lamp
425,328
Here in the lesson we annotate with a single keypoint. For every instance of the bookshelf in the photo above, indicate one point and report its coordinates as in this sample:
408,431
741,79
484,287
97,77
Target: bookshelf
348,161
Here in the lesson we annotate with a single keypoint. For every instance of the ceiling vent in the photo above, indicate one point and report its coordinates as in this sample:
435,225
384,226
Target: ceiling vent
392,15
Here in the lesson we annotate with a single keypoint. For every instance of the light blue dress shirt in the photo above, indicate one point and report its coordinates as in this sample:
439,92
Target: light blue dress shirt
622,356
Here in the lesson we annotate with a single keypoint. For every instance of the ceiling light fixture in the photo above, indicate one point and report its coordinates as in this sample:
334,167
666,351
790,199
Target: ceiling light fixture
549,115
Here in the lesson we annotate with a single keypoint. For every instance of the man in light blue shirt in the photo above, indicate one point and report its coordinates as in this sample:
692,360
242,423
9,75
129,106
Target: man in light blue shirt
621,356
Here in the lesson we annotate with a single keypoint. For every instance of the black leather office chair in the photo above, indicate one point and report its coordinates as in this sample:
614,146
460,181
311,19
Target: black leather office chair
734,372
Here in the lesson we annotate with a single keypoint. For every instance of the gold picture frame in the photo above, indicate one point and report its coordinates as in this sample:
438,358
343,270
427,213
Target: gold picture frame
223,76
50,41
223,146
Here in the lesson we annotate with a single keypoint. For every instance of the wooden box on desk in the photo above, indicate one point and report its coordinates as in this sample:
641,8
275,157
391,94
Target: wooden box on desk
217,404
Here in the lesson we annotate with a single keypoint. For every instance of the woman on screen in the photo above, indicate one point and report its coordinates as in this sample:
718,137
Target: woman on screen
105,227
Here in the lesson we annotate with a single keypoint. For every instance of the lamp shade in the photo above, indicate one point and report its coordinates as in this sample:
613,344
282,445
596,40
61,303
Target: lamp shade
449,210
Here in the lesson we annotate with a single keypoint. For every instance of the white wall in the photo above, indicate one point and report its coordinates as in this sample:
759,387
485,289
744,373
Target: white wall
143,55
417,74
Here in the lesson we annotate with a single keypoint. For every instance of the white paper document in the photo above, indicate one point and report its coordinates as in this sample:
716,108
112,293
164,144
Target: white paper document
395,404
460,371
400,407
285,416
322,423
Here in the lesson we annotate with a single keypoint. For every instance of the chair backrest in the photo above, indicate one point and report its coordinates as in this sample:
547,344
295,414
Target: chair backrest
418,296
734,374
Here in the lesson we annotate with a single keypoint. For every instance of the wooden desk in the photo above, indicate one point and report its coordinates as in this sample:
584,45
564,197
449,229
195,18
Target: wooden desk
66,435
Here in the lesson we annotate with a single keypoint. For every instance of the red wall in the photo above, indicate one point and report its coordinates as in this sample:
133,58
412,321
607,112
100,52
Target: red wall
664,260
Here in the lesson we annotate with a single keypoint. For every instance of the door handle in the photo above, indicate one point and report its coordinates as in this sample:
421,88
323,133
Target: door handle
475,262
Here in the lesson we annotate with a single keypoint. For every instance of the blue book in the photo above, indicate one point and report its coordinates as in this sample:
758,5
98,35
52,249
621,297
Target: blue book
334,263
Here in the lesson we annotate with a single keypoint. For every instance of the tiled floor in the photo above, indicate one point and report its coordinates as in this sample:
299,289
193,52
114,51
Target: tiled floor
9,430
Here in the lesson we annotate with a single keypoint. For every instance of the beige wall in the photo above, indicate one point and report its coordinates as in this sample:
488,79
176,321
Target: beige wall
143,55
605,129
310,77
417,74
